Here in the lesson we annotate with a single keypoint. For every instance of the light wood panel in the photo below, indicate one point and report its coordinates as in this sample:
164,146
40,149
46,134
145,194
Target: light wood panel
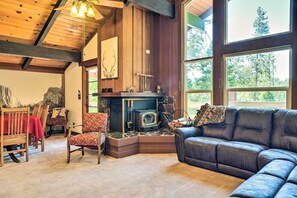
21,21
11,59
198,7
48,63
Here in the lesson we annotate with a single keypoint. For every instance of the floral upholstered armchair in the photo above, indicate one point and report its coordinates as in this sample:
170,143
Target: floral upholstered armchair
93,135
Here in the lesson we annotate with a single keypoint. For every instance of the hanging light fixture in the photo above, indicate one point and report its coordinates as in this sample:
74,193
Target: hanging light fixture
82,8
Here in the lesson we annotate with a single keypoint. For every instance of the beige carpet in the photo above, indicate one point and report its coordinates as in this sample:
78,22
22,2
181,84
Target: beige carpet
144,175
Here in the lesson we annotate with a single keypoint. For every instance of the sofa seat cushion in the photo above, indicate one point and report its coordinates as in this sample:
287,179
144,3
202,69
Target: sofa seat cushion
293,176
241,155
202,148
271,154
279,168
288,190
259,185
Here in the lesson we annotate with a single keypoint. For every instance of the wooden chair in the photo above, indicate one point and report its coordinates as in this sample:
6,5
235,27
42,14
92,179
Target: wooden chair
43,117
58,120
93,135
36,110
14,130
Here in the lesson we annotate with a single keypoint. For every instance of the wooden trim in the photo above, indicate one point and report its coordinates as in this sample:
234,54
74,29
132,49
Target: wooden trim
294,58
42,69
218,40
162,7
63,89
33,51
45,30
273,41
84,90
67,65
259,89
89,63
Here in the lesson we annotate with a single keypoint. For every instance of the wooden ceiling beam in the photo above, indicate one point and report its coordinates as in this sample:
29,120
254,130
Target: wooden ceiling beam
45,30
34,51
9,66
162,7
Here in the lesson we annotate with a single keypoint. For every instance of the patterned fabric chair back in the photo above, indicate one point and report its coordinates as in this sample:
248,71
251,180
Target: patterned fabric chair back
94,122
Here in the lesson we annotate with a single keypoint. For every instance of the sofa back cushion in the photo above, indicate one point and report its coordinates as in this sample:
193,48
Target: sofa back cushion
222,130
254,125
284,134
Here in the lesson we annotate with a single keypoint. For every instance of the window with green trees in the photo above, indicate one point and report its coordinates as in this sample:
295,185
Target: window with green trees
259,79
243,17
197,56
92,88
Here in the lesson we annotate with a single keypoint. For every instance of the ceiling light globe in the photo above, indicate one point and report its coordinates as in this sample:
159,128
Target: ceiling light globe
83,7
81,14
91,12
74,11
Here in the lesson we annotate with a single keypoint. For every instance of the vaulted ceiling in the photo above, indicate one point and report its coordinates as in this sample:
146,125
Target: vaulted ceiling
34,36
23,21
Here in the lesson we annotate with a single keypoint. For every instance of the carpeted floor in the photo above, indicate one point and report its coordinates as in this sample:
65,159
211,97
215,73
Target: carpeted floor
144,175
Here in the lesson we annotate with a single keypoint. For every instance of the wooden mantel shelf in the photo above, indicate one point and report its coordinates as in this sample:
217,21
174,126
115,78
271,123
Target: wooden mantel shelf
128,95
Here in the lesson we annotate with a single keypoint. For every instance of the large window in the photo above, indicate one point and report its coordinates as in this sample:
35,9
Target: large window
258,80
197,55
246,58
248,19
261,78
92,88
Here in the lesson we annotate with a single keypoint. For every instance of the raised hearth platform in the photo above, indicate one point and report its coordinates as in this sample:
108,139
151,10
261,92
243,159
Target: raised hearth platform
119,147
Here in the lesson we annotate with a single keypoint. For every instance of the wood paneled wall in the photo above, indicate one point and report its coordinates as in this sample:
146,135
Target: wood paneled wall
170,55
134,28
140,30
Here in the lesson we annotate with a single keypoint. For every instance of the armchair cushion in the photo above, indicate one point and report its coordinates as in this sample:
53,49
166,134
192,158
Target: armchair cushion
86,139
94,122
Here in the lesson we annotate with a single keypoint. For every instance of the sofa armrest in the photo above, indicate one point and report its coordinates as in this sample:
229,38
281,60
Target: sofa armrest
181,134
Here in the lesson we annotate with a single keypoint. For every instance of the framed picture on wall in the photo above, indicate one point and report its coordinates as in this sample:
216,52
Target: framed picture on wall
109,58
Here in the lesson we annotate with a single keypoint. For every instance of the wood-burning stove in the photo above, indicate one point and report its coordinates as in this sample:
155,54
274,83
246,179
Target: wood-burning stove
145,120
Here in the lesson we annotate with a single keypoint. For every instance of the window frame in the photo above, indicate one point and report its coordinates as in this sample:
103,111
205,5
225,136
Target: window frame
87,89
184,90
221,49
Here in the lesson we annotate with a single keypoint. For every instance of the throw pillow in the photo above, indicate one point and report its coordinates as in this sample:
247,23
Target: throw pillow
200,113
62,112
211,115
55,112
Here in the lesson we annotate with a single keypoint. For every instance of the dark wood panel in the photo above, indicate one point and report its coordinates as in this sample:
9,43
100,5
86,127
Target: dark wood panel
255,44
218,39
294,58
38,52
169,77
162,7
9,66
126,53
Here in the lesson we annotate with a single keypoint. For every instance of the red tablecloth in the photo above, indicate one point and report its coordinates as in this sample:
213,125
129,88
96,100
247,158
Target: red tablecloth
35,127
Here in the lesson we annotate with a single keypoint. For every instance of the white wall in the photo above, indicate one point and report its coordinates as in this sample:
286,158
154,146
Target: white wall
73,83
91,50
28,87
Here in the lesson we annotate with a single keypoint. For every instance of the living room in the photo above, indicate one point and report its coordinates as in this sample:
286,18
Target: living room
131,56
